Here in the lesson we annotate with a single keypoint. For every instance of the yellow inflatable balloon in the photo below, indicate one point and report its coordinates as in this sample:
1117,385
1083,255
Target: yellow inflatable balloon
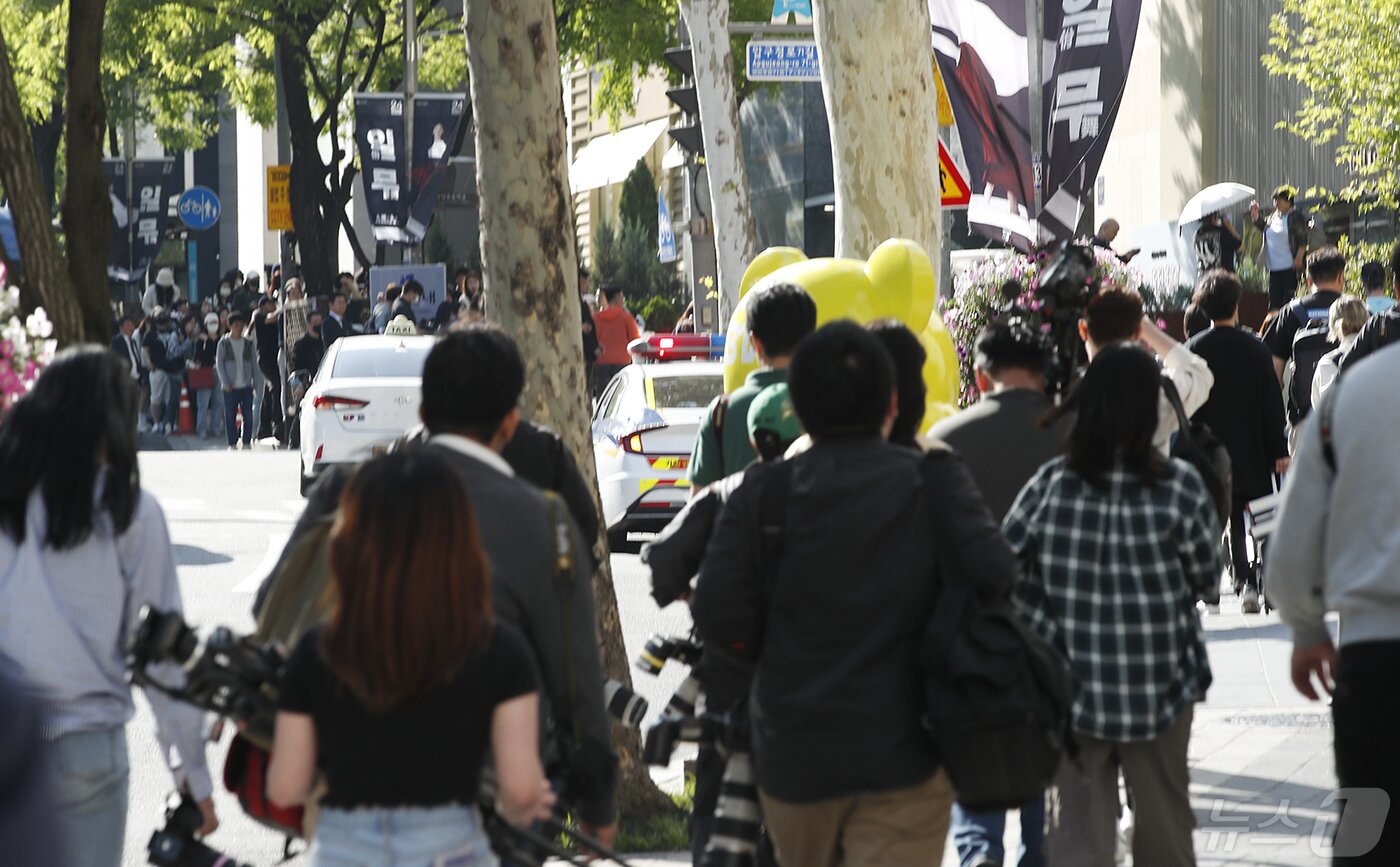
897,282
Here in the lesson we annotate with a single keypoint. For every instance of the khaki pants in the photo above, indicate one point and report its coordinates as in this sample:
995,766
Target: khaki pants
903,828
1082,812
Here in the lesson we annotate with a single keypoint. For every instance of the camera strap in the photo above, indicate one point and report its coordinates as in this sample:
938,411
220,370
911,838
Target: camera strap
565,569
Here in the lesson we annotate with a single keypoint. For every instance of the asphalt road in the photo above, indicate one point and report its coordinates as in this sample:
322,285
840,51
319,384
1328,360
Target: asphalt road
230,513
1261,756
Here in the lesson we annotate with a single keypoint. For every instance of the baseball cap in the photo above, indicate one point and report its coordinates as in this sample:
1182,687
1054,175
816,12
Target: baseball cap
773,423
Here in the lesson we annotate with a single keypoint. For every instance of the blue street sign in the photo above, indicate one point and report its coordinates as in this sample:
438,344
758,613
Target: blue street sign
665,235
199,208
781,8
783,60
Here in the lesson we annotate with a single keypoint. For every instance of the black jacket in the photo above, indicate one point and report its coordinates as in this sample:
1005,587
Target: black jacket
1379,332
836,702
675,554
404,309
539,456
1245,407
307,353
331,331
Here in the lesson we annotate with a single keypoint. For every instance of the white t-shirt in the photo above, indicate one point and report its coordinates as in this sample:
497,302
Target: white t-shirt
1280,255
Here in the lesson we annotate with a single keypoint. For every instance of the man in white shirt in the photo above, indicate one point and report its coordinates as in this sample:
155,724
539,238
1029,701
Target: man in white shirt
1285,243
1115,315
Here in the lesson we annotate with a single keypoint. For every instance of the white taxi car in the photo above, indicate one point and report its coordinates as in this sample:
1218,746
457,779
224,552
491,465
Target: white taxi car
644,428
366,394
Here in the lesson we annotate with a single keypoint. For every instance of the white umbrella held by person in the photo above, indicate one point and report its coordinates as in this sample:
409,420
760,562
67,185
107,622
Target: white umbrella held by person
1216,197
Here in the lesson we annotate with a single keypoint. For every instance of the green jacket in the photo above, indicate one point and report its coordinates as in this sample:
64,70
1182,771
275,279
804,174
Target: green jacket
712,460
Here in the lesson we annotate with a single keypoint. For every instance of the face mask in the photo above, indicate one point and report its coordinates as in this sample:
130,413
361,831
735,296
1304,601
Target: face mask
225,292
213,329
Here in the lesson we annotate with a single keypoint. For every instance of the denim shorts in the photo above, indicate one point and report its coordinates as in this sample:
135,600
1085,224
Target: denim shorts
400,837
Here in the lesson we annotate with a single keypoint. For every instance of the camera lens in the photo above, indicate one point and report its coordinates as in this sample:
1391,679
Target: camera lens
654,655
623,704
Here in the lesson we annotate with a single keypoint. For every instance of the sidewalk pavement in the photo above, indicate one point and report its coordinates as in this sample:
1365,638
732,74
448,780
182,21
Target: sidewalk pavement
154,442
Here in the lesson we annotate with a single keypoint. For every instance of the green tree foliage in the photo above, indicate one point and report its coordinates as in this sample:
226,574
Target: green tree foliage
637,204
659,314
627,257
1339,52
624,39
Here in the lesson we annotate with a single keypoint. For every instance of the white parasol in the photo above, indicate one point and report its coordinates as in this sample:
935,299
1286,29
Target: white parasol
1216,197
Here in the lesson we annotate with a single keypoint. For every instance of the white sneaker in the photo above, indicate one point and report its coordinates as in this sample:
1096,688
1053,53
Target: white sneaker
1249,601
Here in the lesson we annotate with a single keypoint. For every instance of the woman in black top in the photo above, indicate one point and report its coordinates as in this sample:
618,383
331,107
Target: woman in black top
396,698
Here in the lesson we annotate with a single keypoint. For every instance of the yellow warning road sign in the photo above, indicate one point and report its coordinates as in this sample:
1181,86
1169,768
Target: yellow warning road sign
952,185
945,108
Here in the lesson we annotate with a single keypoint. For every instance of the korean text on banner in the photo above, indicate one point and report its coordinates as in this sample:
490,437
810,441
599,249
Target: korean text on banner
279,198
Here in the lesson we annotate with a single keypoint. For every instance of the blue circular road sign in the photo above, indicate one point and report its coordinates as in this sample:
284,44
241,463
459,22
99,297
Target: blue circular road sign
199,207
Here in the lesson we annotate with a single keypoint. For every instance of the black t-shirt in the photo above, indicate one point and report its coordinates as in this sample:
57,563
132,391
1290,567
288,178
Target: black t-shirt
266,335
428,752
403,308
1278,334
1215,248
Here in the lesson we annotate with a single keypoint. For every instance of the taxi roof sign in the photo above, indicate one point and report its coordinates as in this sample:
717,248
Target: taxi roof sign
953,187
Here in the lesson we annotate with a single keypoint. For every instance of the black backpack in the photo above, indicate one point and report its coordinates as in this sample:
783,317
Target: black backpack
1311,342
997,696
1198,445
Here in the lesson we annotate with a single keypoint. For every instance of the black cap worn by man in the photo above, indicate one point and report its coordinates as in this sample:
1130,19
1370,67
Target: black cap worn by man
840,613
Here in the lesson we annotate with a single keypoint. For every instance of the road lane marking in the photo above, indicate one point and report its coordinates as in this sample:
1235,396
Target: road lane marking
275,543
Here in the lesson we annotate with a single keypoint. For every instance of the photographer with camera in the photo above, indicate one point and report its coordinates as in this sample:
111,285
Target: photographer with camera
1115,315
674,558
84,549
822,574
397,697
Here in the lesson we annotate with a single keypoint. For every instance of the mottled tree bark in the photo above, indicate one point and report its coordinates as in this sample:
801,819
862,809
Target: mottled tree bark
736,242
19,172
881,101
87,210
530,270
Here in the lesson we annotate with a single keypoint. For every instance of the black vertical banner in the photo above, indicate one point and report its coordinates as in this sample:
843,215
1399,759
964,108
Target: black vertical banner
119,245
150,189
980,46
1095,41
436,120
379,133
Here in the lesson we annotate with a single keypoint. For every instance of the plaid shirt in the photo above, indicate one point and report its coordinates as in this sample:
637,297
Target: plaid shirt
1111,577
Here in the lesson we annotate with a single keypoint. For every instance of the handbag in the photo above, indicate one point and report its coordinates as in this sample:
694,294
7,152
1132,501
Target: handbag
200,378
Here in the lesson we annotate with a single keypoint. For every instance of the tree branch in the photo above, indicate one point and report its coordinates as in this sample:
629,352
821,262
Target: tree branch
377,53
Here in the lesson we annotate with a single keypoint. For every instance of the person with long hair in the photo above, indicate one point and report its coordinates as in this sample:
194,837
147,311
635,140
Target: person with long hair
82,549
1117,543
397,697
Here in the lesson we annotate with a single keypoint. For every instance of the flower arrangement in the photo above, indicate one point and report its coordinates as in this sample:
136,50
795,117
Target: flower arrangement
26,346
986,291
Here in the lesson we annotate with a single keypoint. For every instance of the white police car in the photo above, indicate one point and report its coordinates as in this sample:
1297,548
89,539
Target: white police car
644,428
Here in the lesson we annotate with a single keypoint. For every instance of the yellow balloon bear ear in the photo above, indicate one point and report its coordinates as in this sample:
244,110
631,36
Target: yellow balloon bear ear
766,263
906,287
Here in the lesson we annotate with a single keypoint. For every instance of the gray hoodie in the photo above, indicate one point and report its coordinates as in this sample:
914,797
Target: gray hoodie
1337,546
235,372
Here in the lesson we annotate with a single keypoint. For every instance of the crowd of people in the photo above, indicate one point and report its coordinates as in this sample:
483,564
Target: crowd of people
243,356
821,541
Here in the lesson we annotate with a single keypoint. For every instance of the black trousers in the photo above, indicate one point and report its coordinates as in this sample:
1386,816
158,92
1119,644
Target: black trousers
1240,569
270,421
1364,710
1283,285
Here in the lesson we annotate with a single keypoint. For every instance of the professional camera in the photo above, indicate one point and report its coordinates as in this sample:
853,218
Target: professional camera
1065,288
230,675
659,649
623,704
175,845
738,818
